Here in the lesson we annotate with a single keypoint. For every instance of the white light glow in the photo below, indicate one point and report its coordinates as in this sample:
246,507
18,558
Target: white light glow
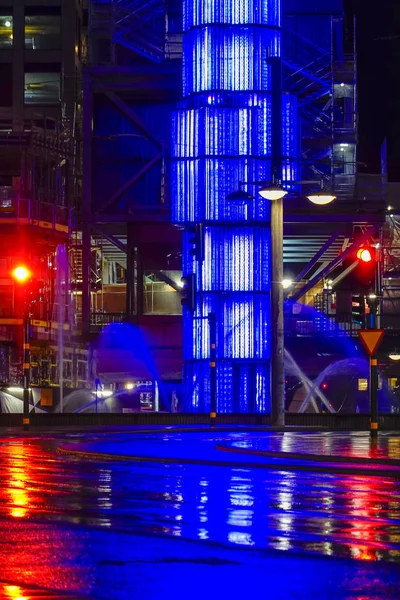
129,386
286,283
272,192
7,23
321,198
394,356
104,393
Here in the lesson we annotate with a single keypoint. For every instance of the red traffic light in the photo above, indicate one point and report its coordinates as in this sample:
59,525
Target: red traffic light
365,255
21,274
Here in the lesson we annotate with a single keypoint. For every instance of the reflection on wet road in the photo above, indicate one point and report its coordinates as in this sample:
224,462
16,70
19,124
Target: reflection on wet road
86,527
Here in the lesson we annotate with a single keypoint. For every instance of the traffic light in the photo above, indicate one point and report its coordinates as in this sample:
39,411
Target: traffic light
361,267
365,255
358,310
197,241
28,290
21,274
189,291
366,268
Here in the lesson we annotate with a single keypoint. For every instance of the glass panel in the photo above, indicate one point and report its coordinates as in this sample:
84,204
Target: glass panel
42,88
6,31
42,32
162,293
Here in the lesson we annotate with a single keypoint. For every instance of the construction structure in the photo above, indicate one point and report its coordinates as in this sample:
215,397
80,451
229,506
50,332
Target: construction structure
40,169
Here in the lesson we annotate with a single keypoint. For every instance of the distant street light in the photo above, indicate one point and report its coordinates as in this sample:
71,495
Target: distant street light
394,355
286,283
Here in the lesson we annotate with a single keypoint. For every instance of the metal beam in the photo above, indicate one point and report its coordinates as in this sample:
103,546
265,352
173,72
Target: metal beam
135,119
167,69
335,263
344,273
318,255
114,241
131,182
164,277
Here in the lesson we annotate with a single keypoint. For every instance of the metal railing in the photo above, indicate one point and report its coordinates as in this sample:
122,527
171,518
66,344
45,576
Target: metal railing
12,206
99,319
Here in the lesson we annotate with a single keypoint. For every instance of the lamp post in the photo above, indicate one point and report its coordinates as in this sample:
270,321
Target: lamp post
274,192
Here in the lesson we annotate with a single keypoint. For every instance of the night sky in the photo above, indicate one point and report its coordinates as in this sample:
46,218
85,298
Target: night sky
378,48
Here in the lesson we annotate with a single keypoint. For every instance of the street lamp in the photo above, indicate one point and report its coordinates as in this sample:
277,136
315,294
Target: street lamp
394,355
321,197
273,191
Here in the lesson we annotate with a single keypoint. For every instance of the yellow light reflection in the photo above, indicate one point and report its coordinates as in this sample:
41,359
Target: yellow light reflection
14,592
19,476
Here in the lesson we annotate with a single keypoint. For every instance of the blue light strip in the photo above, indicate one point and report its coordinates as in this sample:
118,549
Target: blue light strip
222,135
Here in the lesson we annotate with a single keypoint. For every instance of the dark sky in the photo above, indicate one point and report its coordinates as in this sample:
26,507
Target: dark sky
378,49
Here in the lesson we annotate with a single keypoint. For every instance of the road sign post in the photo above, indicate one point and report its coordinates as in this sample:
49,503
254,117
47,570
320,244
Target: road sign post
371,339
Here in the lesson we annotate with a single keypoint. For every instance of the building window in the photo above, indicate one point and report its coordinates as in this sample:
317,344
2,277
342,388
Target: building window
362,385
161,293
6,31
6,79
42,85
42,31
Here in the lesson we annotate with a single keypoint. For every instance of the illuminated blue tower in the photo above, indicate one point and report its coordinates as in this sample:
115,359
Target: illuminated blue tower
222,134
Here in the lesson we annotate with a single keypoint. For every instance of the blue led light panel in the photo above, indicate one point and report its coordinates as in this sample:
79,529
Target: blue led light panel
221,136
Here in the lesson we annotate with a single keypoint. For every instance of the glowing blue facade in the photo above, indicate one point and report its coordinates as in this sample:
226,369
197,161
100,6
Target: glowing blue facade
222,134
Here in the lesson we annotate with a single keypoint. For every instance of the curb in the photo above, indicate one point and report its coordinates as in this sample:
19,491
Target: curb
330,458
276,466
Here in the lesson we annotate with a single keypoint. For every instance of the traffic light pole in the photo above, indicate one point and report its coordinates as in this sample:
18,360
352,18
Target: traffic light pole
373,372
26,373
373,394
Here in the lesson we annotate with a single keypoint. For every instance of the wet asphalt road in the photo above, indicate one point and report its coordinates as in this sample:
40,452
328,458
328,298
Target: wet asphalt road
146,530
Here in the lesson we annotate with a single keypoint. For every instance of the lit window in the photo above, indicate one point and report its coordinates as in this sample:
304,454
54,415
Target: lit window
42,88
42,32
6,31
362,385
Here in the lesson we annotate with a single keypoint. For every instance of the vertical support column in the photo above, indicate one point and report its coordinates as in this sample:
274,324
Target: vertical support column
87,200
212,322
277,338
26,373
18,55
134,274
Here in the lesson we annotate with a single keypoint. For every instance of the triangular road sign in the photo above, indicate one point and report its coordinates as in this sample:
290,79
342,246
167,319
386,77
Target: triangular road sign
371,338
